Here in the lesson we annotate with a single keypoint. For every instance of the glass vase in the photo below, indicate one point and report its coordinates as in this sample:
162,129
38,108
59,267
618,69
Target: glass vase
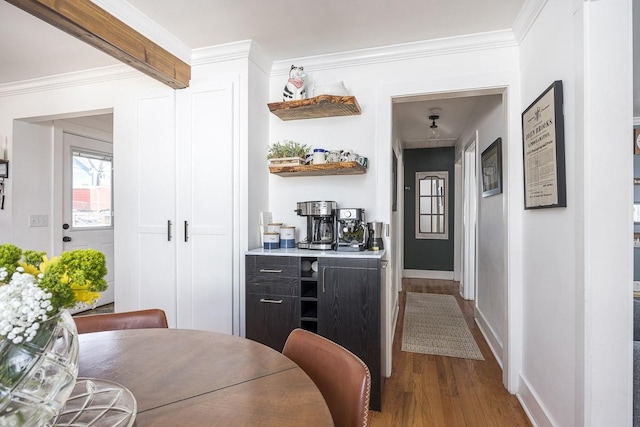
37,377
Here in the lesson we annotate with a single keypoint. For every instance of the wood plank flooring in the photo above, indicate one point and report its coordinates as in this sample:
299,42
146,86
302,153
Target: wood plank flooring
427,390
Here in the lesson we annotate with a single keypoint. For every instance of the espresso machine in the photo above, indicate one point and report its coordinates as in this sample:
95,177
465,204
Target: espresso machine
321,226
352,234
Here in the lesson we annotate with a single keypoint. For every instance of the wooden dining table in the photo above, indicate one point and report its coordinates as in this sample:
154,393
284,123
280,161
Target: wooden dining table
197,378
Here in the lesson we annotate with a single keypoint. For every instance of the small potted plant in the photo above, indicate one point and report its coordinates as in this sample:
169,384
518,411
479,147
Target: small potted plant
287,153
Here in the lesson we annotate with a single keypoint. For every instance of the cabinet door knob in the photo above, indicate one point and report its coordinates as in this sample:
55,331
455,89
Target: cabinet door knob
266,270
271,301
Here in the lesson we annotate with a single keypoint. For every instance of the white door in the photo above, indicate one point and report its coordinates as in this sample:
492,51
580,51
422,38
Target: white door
469,220
205,209
88,200
147,242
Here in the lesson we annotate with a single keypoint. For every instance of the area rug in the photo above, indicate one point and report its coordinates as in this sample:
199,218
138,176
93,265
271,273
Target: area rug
434,324
104,309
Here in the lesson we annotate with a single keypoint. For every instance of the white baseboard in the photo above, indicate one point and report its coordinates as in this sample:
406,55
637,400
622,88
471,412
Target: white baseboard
427,274
495,343
531,404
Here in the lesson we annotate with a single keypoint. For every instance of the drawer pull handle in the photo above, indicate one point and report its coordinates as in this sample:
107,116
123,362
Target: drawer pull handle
265,270
271,301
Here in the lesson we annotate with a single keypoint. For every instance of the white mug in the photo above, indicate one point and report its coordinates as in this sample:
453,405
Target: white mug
334,156
319,156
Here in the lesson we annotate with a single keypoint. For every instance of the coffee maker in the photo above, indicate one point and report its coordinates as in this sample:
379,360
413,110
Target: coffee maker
352,234
321,216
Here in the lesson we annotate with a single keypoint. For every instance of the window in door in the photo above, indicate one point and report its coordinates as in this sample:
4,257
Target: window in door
92,201
431,205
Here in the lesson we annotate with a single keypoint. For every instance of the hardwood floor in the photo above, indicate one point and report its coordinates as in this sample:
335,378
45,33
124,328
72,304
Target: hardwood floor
428,390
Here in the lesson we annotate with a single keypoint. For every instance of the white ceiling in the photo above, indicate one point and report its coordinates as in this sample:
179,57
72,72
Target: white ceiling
282,28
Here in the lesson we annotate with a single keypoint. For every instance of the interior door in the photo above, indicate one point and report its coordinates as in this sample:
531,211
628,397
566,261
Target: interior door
469,220
88,200
204,232
429,210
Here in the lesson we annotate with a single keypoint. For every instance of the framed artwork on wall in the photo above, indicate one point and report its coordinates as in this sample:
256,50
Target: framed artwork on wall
491,163
543,151
636,141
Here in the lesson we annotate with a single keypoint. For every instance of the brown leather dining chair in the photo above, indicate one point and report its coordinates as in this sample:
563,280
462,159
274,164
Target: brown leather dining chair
343,379
139,319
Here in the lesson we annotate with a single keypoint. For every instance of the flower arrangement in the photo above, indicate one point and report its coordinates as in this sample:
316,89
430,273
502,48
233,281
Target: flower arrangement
34,288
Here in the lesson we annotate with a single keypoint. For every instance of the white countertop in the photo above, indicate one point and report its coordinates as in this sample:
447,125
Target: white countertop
315,253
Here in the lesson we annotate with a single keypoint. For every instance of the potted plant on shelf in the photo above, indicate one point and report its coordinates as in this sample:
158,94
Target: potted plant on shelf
287,153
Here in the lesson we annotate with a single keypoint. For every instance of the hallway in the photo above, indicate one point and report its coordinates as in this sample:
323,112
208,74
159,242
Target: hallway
427,390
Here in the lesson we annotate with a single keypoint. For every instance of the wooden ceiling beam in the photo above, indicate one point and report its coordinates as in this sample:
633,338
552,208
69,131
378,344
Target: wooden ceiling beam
93,25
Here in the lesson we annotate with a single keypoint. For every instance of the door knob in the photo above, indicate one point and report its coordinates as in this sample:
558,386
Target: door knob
65,226
66,239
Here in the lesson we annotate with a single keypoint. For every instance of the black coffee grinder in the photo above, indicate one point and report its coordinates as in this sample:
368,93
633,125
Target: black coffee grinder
375,231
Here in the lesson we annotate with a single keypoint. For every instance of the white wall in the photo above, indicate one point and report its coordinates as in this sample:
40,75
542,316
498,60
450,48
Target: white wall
577,260
57,100
256,187
364,79
375,82
491,286
32,193
119,90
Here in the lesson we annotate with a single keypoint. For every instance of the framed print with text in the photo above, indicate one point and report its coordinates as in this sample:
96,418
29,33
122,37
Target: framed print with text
543,150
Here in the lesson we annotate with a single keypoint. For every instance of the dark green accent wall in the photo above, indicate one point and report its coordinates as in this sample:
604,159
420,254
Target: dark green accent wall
427,254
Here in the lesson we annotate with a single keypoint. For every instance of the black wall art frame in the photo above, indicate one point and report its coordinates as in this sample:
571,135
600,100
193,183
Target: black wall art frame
545,184
491,163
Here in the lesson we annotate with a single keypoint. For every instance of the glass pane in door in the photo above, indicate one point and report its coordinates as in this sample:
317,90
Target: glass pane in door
92,190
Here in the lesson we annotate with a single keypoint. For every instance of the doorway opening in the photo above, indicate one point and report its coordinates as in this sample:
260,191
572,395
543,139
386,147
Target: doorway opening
72,190
476,257
463,118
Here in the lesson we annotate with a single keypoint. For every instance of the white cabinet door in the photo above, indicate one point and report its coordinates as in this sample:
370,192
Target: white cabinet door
205,154
145,220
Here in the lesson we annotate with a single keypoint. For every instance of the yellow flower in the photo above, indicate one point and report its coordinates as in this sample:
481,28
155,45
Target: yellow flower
46,261
83,294
29,269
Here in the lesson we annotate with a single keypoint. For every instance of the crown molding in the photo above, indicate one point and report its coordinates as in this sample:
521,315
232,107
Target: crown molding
137,20
526,18
221,53
96,75
260,58
399,52
228,52
246,49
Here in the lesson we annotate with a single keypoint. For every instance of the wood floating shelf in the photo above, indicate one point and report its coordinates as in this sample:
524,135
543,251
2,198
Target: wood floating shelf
319,106
340,168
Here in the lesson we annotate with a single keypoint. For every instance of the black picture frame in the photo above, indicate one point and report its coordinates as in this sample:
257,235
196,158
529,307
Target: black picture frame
491,164
545,184
394,172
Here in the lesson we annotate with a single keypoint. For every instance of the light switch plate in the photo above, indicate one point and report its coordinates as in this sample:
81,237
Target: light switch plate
38,220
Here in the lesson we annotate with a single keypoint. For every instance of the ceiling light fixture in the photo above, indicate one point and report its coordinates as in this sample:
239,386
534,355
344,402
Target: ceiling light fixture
434,131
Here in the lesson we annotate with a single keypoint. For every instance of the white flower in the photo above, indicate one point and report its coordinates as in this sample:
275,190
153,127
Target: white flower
23,305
